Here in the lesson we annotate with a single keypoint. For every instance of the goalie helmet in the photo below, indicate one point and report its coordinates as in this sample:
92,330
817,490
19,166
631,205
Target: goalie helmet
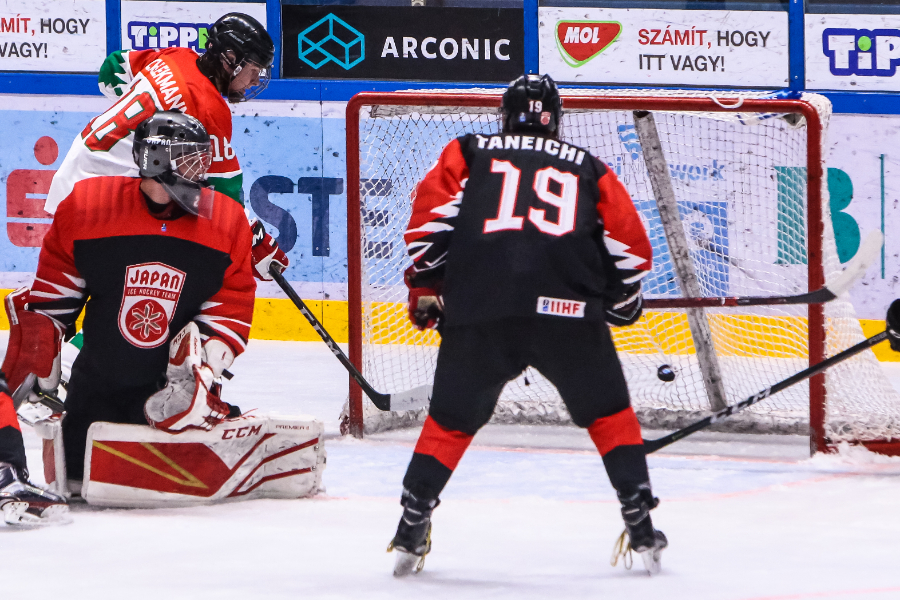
173,149
242,42
532,103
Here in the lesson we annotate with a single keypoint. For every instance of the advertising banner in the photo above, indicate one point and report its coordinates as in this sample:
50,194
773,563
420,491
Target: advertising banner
148,25
853,52
864,187
44,35
402,42
291,154
664,47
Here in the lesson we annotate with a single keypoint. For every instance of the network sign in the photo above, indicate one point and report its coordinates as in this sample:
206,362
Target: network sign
864,52
402,43
146,35
706,226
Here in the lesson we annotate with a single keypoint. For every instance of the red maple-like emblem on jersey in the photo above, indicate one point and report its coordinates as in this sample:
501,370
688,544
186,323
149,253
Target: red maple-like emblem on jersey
147,320
149,299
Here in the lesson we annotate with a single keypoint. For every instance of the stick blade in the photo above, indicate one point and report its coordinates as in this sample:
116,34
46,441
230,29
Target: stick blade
414,399
868,252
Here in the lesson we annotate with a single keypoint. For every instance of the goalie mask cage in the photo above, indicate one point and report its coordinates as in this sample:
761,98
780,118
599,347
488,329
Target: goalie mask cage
747,175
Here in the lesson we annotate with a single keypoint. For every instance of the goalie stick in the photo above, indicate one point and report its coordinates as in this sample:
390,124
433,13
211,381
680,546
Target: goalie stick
869,250
414,399
654,445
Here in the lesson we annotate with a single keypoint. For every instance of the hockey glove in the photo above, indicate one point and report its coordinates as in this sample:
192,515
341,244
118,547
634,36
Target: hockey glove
266,252
32,362
190,399
426,310
893,325
627,309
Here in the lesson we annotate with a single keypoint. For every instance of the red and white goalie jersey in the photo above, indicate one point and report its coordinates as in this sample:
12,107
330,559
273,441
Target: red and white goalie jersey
143,82
146,277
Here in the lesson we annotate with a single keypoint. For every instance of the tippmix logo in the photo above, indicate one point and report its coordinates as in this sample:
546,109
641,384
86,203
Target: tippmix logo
145,35
331,39
581,41
862,52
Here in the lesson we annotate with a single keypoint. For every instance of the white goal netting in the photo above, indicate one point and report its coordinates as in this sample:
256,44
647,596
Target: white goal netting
740,182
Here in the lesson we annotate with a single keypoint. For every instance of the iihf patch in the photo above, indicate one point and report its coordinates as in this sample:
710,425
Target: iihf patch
560,308
149,299
522,118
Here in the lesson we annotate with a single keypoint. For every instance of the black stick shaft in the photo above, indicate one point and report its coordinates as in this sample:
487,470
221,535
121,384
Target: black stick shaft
816,297
381,401
654,445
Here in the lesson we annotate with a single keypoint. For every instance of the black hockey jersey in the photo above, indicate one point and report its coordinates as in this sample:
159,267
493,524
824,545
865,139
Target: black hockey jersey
518,225
143,278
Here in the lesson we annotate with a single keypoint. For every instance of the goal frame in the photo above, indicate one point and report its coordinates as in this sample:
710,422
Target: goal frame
722,104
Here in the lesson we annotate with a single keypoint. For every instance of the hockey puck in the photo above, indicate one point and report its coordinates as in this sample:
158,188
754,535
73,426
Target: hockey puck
665,373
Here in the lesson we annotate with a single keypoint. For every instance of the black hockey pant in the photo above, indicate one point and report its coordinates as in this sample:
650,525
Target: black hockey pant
476,361
92,398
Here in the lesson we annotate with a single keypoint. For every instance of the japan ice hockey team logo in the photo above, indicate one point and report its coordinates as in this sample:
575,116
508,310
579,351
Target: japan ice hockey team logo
148,303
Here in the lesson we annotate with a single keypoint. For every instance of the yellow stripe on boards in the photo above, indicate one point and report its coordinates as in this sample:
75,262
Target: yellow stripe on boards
782,337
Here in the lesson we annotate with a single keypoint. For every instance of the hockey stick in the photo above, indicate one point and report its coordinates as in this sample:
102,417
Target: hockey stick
414,399
654,445
869,250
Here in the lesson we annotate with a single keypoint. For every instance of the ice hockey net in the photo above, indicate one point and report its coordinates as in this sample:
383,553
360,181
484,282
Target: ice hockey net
747,175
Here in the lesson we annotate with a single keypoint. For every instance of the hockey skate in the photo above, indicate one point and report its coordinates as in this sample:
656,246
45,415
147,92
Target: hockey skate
413,539
23,503
639,535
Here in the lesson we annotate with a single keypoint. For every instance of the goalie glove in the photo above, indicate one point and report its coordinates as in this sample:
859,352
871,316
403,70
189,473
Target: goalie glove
190,399
627,309
893,325
32,361
426,310
266,252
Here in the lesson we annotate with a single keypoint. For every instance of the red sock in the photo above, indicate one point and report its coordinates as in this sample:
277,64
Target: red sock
445,445
620,429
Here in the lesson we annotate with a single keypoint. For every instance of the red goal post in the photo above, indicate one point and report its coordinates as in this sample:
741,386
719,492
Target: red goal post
407,105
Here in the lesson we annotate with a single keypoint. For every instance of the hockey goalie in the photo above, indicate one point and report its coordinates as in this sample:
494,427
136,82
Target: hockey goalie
161,265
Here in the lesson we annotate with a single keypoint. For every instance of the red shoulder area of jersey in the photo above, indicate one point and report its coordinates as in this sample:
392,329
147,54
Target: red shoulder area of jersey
101,207
439,193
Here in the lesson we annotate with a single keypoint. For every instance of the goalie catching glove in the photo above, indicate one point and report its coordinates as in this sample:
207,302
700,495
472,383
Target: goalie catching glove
266,252
32,362
426,311
190,399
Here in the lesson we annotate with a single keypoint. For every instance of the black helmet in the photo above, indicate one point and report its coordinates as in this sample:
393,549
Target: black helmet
249,42
531,103
173,148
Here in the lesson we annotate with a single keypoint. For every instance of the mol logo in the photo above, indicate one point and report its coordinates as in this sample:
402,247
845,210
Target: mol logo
581,41
331,39
146,35
864,52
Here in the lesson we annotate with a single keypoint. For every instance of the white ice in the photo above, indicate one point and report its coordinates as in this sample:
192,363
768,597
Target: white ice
529,514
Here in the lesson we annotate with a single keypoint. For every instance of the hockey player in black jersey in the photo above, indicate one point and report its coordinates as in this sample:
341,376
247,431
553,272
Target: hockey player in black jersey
524,248
162,267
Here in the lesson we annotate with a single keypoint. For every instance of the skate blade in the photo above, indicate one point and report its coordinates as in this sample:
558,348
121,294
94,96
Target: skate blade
16,514
652,560
407,563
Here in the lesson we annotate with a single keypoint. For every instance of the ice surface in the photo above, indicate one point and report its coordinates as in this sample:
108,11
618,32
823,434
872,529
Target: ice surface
529,514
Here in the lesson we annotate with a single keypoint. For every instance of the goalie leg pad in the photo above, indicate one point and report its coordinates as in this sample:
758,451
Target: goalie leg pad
135,466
